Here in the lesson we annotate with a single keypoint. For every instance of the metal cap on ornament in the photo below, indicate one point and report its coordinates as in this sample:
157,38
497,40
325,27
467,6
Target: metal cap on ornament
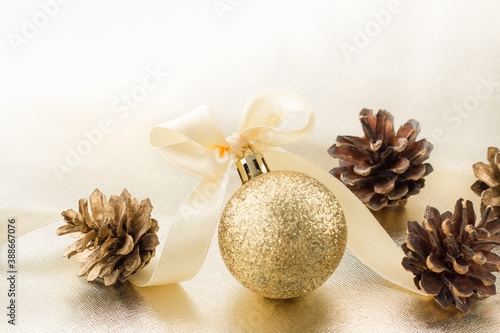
251,165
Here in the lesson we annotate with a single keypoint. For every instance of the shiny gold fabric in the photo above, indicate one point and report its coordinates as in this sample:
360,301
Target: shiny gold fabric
52,298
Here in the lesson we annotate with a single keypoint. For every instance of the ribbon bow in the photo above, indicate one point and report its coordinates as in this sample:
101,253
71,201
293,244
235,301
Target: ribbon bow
195,143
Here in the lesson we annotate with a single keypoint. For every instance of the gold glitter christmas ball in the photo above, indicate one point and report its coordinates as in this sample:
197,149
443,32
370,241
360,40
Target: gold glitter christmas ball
282,234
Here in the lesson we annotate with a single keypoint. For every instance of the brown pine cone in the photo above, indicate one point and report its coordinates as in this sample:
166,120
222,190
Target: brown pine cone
117,240
383,167
451,256
488,184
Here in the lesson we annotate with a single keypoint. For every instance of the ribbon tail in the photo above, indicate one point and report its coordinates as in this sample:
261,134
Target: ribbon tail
367,240
26,219
187,243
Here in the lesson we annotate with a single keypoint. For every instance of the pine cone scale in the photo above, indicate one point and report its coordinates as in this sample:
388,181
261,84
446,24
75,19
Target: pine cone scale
84,211
365,193
149,242
482,272
445,299
460,268
67,229
119,204
434,264
436,215
436,237
143,220
401,166
488,240
491,196
132,261
100,208
368,123
351,177
418,245
457,221
109,266
350,154
94,272
416,229
419,149
385,126
488,184
478,187
377,202
398,144
486,173
430,283
363,169
409,130
415,172
108,245
385,185
353,142
127,247
479,285
112,277
400,190
462,303
494,158
89,262
493,226
459,285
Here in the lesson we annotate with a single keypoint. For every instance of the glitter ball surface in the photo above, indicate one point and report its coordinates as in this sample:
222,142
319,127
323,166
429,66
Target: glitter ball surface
282,234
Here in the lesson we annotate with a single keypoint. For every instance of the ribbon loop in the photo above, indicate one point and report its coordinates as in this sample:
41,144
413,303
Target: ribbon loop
275,118
193,142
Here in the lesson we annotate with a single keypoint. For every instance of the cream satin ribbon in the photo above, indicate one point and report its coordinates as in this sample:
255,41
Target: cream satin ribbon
195,143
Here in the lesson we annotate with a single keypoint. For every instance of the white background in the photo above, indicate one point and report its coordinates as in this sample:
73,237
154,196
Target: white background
64,79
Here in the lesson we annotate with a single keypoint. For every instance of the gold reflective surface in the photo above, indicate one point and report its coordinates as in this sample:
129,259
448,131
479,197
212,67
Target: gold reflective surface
52,298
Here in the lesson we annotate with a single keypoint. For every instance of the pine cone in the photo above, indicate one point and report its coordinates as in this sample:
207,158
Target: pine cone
488,184
117,240
382,168
451,256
